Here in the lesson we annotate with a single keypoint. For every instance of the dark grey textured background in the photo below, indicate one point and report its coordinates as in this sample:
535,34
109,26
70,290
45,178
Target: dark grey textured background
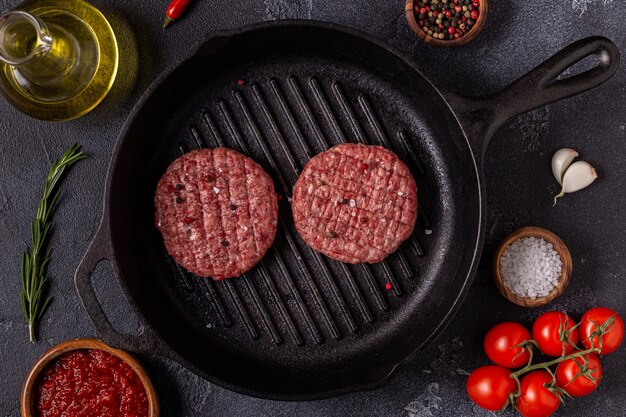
519,34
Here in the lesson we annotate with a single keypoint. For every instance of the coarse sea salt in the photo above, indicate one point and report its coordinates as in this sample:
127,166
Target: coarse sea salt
530,267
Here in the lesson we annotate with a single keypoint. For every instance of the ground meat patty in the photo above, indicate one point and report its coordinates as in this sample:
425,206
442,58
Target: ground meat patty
217,211
355,203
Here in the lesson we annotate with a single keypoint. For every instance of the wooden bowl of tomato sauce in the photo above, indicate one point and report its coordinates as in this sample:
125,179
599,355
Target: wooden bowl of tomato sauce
88,372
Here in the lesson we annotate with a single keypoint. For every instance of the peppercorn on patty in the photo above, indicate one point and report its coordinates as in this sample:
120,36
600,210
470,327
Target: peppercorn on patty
355,203
217,211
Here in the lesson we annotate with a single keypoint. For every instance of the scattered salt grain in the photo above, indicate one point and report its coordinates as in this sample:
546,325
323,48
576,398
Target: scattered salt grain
216,190
400,193
352,203
530,267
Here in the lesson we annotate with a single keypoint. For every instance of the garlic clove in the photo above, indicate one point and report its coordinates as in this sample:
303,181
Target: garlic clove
561,161
578,176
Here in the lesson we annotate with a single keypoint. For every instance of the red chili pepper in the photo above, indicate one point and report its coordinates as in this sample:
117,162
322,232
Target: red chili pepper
175,10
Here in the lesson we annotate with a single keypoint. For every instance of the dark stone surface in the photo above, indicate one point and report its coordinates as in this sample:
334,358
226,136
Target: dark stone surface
518,35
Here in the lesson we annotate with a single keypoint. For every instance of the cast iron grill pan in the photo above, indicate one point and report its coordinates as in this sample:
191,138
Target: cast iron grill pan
298,308
299,325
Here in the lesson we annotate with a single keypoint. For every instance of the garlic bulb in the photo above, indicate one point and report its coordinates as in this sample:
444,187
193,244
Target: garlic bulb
578,176
561,161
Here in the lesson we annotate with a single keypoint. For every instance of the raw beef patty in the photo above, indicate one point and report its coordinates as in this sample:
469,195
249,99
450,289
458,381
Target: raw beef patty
217,211
355,203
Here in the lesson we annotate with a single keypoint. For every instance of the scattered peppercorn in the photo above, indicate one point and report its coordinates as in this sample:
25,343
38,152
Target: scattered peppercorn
363,219
332,234
319,183
225,243
179,200
210,178
233,207
446,20
179,186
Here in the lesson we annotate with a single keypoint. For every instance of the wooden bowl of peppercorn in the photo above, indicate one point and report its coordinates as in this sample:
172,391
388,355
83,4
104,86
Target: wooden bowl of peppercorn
446,22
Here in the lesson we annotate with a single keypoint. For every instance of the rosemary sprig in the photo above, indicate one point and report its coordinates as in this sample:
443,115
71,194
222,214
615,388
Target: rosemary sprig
35,261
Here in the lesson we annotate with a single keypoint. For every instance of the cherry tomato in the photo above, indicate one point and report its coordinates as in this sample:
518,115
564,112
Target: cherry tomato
502,344
490,386
614,331
550,332
579,376
536,400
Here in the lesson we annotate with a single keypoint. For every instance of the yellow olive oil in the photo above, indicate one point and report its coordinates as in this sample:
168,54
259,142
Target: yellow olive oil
70,62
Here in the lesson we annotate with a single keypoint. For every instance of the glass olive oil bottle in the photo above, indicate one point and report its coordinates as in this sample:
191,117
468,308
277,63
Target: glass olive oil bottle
58,58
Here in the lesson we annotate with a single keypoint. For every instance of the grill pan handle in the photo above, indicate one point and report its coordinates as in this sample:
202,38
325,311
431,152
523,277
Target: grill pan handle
100,250
541,86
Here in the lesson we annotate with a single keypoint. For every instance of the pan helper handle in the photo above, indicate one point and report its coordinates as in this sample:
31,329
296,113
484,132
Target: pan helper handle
100,250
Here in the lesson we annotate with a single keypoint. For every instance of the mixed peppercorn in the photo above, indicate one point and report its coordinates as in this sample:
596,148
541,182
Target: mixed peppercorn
446,19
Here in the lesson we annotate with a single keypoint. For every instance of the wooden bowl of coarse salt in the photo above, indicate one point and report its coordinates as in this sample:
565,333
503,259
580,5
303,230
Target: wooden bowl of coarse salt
532,267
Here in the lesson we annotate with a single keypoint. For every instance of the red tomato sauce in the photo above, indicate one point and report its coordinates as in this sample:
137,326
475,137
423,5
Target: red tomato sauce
90,382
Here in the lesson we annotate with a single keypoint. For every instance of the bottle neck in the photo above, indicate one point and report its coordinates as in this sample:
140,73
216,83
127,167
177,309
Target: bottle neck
23,37
27,44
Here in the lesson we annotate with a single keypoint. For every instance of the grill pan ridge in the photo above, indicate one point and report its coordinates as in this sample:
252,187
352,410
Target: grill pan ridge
365,285
300,325
340,299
